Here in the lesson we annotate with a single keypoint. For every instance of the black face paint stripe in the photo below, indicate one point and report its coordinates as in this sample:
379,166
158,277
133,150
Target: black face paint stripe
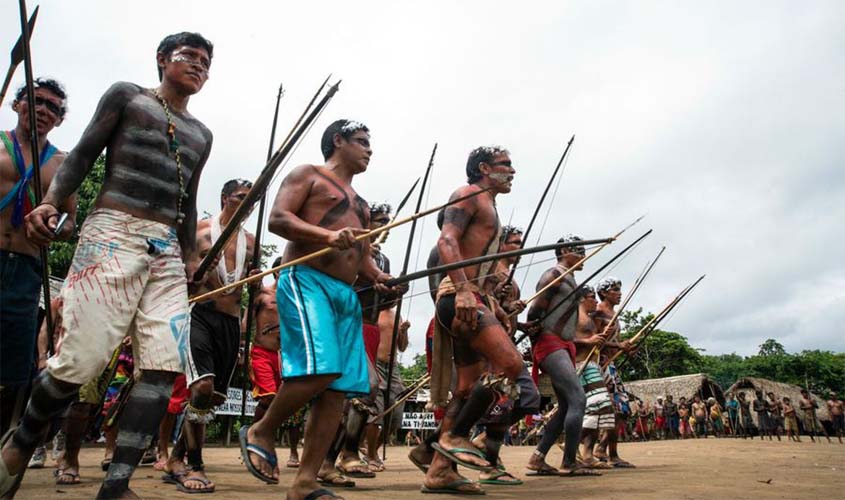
337,211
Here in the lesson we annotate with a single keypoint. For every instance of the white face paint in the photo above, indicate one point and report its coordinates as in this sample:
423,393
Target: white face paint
500,177
183,55
352,126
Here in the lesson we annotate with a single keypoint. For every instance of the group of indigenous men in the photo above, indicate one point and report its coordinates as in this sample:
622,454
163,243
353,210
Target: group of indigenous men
324,330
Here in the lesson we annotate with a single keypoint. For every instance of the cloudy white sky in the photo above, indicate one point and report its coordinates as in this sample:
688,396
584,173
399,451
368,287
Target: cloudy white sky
723,121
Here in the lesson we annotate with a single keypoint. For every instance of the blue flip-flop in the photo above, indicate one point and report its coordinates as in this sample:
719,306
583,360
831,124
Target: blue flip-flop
451,455
269,457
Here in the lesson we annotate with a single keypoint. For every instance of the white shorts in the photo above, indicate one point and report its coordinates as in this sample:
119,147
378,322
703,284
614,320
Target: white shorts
127,278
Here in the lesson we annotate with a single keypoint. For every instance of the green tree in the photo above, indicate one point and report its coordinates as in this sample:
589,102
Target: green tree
661,353
771,347
725,368
61,252
416,370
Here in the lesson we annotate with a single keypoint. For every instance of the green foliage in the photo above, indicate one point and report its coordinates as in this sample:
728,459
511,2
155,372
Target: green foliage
661,354
822,371
415,371
666,354
771,347
725,368
61,252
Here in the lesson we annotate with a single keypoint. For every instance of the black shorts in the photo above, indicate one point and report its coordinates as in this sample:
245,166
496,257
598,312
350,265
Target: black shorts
838,423
213,347
464,354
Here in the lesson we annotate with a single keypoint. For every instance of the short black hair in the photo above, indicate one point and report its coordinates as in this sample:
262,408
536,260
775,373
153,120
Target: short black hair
343,127
587,291
568,238
50,84
378,208
479,155
232,185
507,232
172,42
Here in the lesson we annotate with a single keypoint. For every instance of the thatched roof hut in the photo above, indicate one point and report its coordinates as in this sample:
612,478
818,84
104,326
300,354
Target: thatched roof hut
748,385
682,385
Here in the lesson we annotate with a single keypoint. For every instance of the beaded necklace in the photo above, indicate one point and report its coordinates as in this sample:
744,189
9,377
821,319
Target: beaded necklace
174,148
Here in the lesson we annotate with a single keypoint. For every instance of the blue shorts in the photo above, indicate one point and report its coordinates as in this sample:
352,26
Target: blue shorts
321,329
20,276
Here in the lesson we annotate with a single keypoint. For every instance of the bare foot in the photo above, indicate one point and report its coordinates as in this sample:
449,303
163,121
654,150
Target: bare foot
326,468
267,443
175,467
298,491
67,473
346,457
445,478
538,464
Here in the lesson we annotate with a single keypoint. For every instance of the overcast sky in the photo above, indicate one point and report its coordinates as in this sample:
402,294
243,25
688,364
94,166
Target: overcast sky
723,121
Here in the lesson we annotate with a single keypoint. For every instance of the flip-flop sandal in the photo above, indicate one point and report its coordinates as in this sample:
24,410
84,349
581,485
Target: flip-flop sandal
9,484
579,472
595,465
160,465
543,472
375,465
267,456
453,488
450,454
622,464
172,477
322,492
335,478
61,473
292,464
207,486
362,472
497,476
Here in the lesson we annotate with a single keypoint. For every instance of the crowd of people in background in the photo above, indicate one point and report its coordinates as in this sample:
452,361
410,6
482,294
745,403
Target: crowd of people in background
766,416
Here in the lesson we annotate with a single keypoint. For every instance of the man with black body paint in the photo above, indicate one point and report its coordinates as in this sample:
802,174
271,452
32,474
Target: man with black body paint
554,351
128,274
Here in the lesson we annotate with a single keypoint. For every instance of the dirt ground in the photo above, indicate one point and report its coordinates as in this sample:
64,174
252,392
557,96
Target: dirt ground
692,469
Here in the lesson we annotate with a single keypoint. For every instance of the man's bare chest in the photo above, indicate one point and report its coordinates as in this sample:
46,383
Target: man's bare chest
146,130
331,205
